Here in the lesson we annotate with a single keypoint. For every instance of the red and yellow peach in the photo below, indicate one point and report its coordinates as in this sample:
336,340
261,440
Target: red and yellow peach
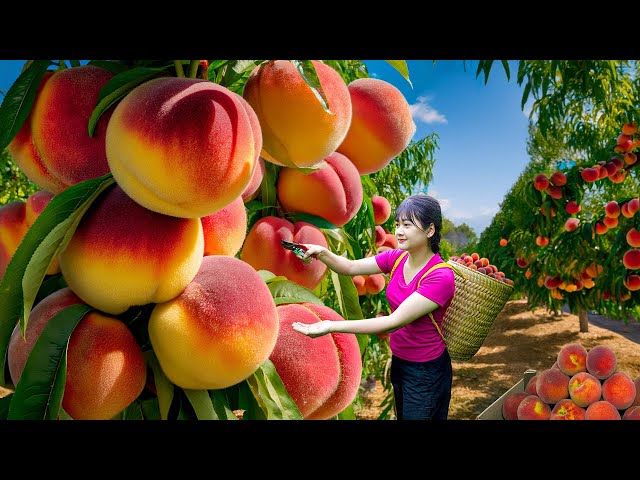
225,230
601,362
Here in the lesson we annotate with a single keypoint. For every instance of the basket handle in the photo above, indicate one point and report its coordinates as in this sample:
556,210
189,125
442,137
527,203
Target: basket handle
433,320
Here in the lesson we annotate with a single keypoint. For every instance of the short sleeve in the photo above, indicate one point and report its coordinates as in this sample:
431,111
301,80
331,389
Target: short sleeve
439,286
387,259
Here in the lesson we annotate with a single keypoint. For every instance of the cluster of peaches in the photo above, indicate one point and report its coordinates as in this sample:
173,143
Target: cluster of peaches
186,154
581,385
555,283
481,265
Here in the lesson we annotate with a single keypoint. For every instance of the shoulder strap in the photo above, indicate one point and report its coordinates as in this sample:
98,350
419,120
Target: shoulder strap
395,265
433,320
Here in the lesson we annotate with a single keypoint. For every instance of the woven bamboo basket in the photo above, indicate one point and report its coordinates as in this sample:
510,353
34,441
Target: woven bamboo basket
476,304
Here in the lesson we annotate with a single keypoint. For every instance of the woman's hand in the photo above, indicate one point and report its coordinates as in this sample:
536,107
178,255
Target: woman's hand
312,250
313,330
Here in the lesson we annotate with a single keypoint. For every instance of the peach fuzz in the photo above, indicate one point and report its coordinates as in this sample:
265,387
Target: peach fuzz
13,228
322,375
382,125
633,237
601,362
619,390
263,250
510,405
552,385
533,408
567,409
296,129
253,189
584,389
106,370
36,203
381,209
631,259
359,282
601,410
219,330
225,230
183,147
572,358
333,192
69,155
632,413
123,254
375,283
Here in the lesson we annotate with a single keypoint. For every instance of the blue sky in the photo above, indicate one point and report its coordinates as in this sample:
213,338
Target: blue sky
482,131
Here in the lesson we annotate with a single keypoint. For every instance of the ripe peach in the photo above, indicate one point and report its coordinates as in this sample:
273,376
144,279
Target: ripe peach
632,413
566,409
522,263
634,205
601,362
511,403
552,385
390,241
552,282
584,389
633,237
359,282
123,254
554,192
618,177
610,222
593,270
631,259
503,242
602,171
533,408
106,370
381,236
632,282
542,241
225,230
253,188
184,147
558,179
601,228
322,375
629,128
612,209
571,224
210,336
589,174
382,125
623,138
333,192
530,388
375,283
630,158
297,130
601,410
572,207
611,167
540,182
13,228
619,390
572,358
624,210
263,251
381,209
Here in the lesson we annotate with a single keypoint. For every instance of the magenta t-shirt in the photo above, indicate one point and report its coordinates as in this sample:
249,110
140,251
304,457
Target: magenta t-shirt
418,341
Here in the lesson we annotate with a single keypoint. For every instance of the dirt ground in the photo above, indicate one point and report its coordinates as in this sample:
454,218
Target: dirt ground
519,339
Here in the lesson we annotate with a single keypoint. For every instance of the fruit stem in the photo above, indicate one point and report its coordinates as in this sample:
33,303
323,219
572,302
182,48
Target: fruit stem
179,69
193,68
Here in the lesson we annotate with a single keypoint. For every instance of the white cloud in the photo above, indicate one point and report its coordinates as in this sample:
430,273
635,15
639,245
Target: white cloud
422,111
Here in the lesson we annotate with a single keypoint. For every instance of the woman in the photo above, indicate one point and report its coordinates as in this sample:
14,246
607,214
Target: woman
421,371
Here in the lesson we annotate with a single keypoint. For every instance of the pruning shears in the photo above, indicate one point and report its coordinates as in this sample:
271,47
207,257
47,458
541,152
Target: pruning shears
298,249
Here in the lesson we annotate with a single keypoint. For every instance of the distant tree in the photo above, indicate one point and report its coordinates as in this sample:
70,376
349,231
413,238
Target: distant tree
462,238
14,184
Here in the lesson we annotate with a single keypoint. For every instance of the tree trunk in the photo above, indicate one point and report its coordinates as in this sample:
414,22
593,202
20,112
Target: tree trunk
583,316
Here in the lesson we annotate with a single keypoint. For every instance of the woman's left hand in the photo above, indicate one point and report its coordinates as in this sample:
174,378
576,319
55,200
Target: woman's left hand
313,329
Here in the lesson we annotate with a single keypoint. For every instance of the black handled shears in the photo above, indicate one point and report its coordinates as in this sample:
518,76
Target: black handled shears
296,248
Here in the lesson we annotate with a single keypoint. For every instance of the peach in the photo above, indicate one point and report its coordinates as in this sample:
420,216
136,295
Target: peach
571,224
633,205
629,128
572,207
253,189
533,408
36,203
632,413
618,177
610,222
631,259
552,385
381,236
522,263
572,358
542,241
566,409
296,129
601,362
619,390
601,228
106,370
225,230
219,330
381,209
183,147
558,179
630,158
584,389
601,410
123,254
589,174
359,282
530,388
503,242
69,155
633,237
554,192
13,228
540,182
510,405
632,282
263,250
552,282
622,139
322,375
333,192
375,283
390,241
381,127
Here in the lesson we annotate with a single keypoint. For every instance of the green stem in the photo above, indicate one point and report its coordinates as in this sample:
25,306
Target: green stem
179,69
193,68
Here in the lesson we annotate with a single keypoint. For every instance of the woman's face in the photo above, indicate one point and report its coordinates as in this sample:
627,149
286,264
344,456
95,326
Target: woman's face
410,234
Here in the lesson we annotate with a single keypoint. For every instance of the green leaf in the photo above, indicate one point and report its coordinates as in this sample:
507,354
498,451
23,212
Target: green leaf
5,403
164,387
349,303
310,76
39,392
347,414
268,185
150,409
402,67
271,394
314,220
49,286
201,403
525,95
18,102
285,291
505,64
242,66
266,275
118,87
132,412
221,406
61,207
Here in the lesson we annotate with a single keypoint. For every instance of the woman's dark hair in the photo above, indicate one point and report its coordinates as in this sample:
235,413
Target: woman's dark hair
425,210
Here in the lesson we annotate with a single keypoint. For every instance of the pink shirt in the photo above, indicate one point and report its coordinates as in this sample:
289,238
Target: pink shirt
418,341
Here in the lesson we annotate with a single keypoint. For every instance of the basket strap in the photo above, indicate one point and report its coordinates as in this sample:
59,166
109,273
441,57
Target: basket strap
395,265
433,320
